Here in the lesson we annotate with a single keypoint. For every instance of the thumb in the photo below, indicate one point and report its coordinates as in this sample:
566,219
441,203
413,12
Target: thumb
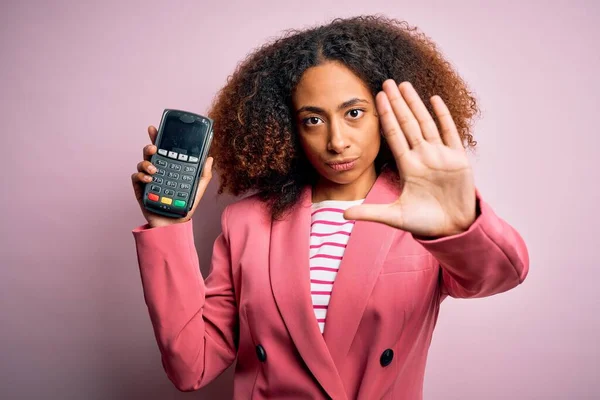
205,178
382,213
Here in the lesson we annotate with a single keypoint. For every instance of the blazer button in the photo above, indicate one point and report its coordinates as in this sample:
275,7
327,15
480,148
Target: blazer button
261,353
386,357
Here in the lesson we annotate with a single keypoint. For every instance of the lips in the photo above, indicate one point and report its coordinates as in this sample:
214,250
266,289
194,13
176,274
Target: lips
343,165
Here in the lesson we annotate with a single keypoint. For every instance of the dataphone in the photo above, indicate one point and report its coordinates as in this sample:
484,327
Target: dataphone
183,142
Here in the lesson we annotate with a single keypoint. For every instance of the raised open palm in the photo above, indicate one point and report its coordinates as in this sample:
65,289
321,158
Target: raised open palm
438,196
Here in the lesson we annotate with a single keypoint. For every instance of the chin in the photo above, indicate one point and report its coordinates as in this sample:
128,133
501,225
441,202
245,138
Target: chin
342,178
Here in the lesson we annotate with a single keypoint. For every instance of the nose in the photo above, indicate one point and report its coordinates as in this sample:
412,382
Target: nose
337,142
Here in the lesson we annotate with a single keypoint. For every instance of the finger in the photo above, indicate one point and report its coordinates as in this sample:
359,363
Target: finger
140,177
404,116
450,134
421,113
146,166
382,213
149,150
152,132
390,127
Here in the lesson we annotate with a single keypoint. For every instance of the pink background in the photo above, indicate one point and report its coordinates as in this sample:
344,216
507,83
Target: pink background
79,84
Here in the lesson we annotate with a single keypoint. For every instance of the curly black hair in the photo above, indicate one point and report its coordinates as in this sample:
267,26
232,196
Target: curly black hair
256,147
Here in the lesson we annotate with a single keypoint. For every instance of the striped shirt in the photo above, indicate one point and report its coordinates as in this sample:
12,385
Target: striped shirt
329,234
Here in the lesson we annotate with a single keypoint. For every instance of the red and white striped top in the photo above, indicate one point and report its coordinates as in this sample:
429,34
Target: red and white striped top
329,234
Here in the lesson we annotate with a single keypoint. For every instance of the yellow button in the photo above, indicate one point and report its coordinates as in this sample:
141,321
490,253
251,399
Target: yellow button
166,200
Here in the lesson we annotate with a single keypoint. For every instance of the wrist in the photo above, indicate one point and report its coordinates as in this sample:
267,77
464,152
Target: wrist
160,224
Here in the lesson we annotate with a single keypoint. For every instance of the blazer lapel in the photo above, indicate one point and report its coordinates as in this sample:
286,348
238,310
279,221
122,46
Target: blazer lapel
363,258
290,281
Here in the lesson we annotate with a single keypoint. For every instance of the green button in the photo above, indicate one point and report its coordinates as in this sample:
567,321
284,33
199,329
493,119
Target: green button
179,203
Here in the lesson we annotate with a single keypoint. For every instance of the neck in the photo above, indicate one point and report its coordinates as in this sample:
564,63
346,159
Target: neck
356,190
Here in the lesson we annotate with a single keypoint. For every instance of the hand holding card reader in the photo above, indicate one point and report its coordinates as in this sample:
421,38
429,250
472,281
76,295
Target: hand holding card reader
183,141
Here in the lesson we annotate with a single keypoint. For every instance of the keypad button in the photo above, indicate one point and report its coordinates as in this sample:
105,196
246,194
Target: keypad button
172,154
166,200
155,188
169,192
183,157
179,203
157,179
193,159
189,169
174,166
171,184
183,195
187,178
173,175
152,197
162,163
162,152
185,186
160,172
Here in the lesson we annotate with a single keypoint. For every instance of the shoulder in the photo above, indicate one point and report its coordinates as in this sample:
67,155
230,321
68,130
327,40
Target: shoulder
250,211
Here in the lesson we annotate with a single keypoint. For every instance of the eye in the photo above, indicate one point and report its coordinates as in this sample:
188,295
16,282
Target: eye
355,113
311,121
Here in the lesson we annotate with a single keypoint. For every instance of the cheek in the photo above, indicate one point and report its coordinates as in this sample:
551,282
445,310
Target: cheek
371,144
369,137
310,147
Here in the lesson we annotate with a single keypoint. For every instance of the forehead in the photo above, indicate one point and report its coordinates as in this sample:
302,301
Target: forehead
328,85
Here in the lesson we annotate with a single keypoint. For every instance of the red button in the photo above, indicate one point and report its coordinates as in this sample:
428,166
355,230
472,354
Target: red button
152,197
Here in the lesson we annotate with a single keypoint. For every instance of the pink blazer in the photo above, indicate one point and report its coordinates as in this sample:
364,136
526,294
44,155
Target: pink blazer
255,304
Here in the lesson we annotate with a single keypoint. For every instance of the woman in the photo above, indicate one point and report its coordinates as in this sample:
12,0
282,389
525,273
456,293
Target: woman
327,280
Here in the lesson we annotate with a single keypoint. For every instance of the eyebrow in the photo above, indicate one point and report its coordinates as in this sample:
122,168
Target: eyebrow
345,104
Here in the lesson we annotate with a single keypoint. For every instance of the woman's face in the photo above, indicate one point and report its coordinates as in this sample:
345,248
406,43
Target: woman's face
337,122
